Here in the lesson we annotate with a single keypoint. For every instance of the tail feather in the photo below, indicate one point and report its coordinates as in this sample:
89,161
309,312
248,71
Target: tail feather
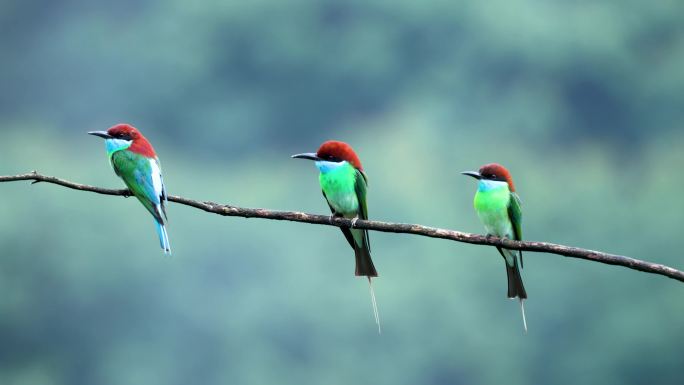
522,310
365,267
163,237
375,305
515,283
516,288
364,263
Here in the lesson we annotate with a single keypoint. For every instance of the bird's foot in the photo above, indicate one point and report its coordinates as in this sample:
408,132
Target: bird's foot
353,221
35,172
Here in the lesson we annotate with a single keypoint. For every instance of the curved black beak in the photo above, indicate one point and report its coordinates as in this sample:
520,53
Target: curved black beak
307,155
474,174
101,134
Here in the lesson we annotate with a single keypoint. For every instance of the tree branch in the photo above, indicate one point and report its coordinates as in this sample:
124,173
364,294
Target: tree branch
458,236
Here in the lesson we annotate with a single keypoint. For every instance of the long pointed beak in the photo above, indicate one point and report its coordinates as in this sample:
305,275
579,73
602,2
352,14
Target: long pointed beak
101,134
307,155
474,174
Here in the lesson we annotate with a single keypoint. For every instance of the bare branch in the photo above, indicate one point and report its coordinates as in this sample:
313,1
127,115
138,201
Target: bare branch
458,236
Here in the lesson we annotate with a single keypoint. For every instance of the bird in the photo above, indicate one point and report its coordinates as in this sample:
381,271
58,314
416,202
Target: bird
344,184
136,163
500,210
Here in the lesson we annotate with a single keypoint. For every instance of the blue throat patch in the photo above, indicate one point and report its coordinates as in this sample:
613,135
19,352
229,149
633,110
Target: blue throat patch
326,167
114,145
488,185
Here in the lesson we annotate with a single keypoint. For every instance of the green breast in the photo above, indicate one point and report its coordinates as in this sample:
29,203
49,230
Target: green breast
339,187
492,208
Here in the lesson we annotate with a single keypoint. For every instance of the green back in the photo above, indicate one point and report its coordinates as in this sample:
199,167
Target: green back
135,171
515,215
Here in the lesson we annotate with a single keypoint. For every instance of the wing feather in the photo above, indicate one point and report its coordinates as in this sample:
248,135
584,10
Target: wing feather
361,186
142,176
515,216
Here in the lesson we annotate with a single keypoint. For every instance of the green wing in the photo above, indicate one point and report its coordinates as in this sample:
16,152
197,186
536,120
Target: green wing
360,186
515,215
135,170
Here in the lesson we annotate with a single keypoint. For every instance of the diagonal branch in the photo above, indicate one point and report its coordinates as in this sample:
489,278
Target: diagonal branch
458,236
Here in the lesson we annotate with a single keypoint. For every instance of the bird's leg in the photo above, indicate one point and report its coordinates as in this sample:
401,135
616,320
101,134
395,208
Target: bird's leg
333,216
353,221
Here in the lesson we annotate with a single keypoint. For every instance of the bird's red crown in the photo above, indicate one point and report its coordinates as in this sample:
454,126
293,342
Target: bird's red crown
140,144
497,172
339,150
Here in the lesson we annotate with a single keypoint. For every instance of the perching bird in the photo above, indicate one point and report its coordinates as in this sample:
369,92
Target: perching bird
499,208
135,161
344,183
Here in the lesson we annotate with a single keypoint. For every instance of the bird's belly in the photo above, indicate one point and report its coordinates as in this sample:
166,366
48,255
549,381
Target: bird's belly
492,208
496,223
344,203
339,188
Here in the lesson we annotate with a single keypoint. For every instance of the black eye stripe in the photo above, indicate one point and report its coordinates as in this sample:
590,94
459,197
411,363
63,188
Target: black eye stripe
494,177
123,136
331,158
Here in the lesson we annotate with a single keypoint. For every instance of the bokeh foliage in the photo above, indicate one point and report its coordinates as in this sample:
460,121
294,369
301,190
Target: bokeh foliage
582,100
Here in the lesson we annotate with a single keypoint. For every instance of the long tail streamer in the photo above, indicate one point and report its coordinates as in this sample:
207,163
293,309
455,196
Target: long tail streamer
375,306
522,309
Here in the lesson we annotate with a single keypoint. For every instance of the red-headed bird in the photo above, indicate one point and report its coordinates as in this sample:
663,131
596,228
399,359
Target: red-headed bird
499,208
135,161
344,184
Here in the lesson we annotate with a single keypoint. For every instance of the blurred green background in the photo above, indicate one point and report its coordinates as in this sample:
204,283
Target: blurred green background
582,100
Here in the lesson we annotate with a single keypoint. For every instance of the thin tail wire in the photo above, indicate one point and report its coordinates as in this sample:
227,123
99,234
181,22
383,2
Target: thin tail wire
375,305
522,309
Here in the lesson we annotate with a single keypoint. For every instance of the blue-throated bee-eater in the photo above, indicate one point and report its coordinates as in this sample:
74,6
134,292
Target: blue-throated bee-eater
135,161
344,184
498,207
